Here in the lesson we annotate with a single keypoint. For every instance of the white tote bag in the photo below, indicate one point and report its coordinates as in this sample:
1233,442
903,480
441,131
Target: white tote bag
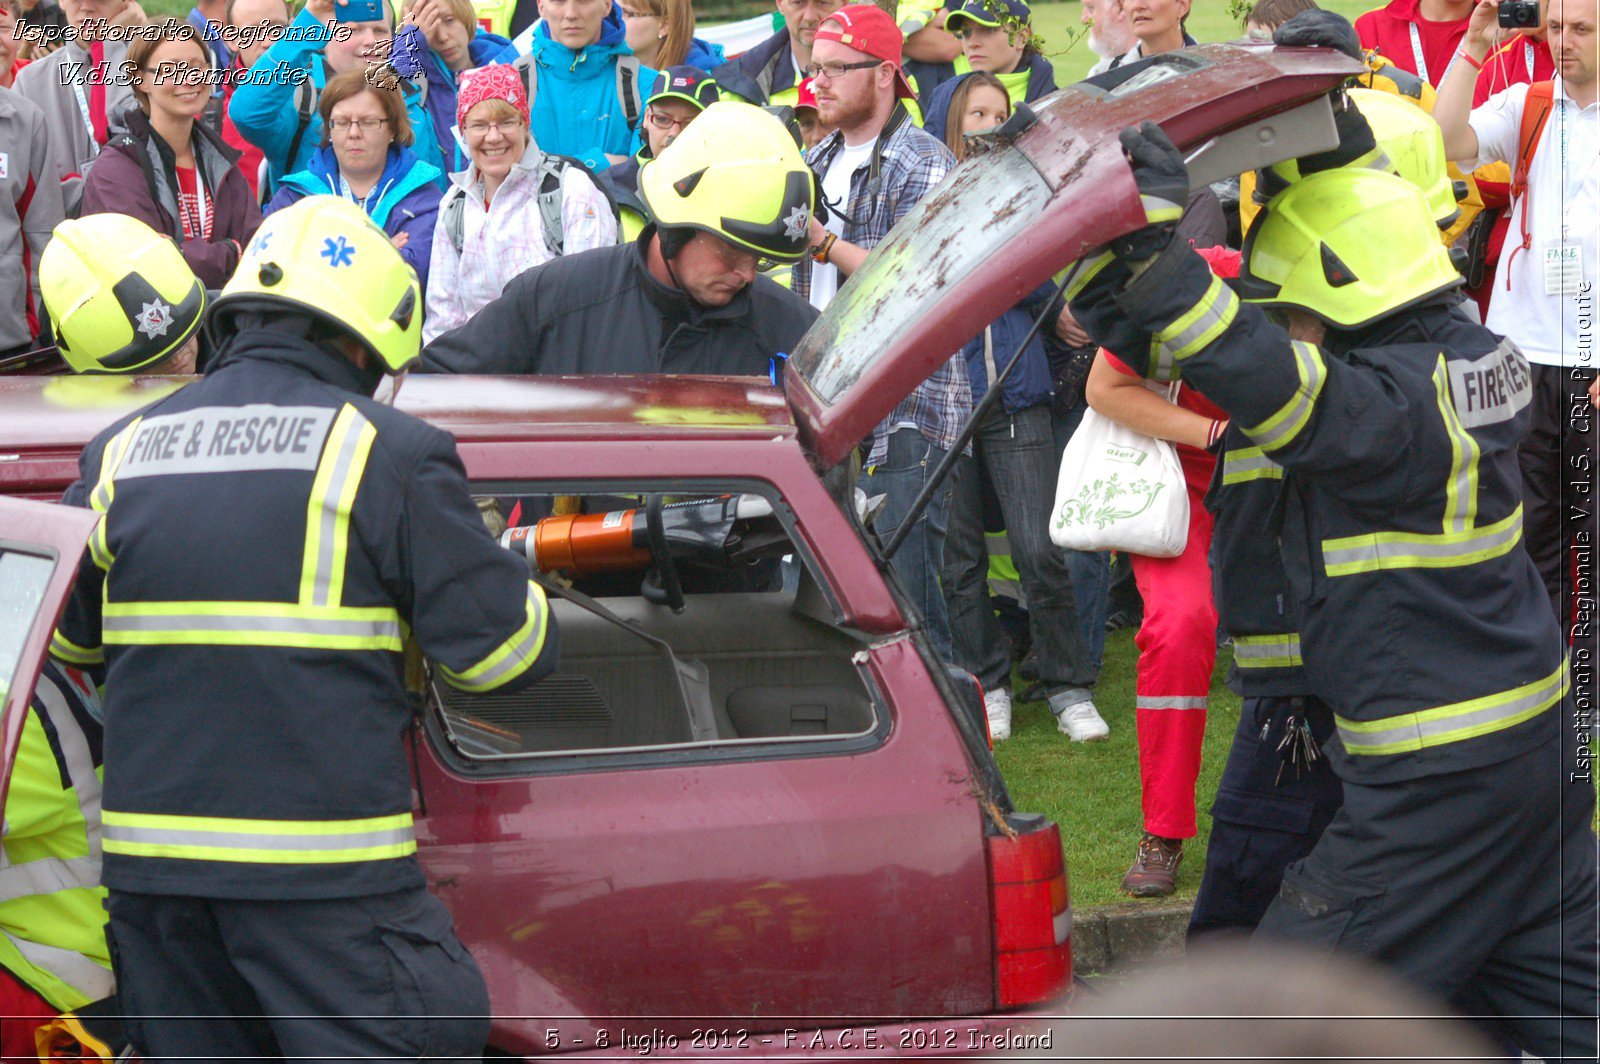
1120,490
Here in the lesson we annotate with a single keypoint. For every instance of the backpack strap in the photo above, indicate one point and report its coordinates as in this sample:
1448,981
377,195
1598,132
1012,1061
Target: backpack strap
628,68
552,177
1536,108
1535,114
551,170
305,107
452,209
529,69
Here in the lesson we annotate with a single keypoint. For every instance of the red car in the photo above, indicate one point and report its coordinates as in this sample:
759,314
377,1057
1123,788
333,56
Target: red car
751,813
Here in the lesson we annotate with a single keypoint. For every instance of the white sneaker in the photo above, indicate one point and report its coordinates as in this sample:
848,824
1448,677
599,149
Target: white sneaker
997,705
1079,720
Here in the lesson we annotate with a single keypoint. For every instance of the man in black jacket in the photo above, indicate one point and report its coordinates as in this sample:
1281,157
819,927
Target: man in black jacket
685,297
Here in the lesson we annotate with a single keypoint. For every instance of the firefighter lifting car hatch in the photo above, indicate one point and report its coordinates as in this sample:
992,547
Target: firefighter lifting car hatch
1452,884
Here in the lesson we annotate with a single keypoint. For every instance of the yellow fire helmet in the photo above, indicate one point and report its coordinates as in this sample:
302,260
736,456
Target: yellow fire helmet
120,294
1348,245
324,257
736,173
1414,144
1409,143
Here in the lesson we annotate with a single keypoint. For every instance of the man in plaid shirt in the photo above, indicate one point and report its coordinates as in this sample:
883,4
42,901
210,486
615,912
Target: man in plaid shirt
874,168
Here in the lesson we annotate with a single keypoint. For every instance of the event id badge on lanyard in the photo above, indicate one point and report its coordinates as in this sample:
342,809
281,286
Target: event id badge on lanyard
1563,267
1563,257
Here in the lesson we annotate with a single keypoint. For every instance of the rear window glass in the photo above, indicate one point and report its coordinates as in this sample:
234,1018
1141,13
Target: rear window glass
24,579
983,205
733,642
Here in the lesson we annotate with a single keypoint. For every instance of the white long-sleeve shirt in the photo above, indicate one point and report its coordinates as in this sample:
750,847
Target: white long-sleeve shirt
1537,301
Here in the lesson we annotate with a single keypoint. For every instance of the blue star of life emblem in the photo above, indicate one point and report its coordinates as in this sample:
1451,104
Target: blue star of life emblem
338,252
259,244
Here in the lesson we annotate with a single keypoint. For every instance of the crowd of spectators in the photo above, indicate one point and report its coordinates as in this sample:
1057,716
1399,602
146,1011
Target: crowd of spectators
509,170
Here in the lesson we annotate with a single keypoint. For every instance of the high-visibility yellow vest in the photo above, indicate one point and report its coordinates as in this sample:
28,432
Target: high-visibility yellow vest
495,15
52,920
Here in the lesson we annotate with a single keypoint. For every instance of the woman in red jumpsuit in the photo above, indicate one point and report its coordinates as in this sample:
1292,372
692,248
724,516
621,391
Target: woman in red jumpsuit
1178,640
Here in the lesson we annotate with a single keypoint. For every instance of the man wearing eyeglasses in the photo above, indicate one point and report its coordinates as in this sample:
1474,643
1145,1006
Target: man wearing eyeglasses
678,96
770,73
874,168
729,193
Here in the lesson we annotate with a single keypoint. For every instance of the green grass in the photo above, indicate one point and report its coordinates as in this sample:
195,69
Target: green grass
163,8
1208,21
1092,789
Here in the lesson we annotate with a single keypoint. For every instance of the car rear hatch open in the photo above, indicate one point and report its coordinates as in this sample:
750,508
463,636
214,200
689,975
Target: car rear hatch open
1006,220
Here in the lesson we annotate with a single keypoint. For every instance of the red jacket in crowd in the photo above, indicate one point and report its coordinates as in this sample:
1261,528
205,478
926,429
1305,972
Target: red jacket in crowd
1427,54
249,155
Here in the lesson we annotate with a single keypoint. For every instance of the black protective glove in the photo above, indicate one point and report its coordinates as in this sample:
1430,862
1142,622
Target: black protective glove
1108,325
1163,181
1319,29
1323,29
1357,146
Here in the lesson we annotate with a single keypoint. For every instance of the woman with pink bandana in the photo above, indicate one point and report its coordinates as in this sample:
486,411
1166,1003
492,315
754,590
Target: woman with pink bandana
491,224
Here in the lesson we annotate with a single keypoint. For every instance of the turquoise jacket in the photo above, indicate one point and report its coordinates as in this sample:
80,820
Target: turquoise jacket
265,103
576,111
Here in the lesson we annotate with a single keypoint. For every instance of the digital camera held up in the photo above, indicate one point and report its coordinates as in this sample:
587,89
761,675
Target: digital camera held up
1519,14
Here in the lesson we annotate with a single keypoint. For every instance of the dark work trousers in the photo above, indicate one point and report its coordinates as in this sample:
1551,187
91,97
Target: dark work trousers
1017,452
1558,480
1477,885
1265,817
370,978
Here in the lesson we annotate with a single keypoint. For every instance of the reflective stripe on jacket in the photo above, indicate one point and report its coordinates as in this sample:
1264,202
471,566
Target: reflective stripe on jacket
1251,590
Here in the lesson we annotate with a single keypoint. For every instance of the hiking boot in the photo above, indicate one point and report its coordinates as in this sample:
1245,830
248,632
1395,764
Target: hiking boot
1076,715
997,706
1155,870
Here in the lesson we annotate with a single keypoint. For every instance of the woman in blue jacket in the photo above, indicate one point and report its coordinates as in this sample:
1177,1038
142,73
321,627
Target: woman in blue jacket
437,42
587,88
1014,452
661,34
366,158
274,105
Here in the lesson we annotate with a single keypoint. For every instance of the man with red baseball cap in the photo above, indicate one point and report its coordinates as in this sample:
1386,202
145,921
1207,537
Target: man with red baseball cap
874,167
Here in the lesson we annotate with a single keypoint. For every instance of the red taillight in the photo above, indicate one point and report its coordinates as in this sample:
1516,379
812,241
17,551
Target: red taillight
1032,913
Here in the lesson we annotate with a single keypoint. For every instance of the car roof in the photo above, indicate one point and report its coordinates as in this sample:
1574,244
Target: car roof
55,412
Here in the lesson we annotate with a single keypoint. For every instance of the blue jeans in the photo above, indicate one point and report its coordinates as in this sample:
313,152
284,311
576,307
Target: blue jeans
1017,453
909,463
1091,570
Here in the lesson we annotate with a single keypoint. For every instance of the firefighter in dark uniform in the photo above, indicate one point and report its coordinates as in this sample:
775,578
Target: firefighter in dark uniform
271,535
52,913
1277,791
1463,855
